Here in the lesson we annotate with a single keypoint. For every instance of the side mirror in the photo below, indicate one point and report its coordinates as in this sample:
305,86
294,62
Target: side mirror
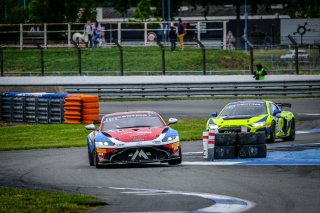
275,112
96,122
215,114
91,127
172,121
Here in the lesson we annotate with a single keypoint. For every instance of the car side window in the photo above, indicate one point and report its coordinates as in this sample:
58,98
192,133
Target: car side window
272,108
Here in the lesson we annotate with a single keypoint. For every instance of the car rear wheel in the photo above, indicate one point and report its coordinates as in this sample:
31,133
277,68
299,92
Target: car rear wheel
176,161
292,135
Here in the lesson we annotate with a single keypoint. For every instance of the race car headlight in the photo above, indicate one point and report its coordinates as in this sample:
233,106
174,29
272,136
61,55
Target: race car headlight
257,124
106,143
170,138
213,126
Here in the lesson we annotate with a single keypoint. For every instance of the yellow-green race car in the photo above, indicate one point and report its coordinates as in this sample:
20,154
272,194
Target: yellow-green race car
255,116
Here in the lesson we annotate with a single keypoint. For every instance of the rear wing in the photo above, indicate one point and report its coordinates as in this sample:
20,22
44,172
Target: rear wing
281,105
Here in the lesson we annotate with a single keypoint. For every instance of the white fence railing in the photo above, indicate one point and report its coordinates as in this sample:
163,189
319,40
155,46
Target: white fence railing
213,33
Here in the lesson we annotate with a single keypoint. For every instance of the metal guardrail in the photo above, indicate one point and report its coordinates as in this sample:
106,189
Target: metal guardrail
309,88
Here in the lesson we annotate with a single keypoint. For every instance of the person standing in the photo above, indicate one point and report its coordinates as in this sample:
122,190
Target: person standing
181,34
260,72
173,37
96,35
88,31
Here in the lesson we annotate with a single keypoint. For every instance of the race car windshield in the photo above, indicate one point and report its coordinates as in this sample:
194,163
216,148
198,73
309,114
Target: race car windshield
131,121
243,109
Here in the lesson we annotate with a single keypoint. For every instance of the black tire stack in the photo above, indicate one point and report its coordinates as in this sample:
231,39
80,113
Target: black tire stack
225,146
252,145
32,107
242,145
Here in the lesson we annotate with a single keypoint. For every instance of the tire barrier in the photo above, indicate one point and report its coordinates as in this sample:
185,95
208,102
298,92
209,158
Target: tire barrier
234,145
32,107
81,108
226,146
48,108
72,110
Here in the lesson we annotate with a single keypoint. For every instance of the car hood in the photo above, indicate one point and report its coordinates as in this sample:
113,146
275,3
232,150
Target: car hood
238,120
136,134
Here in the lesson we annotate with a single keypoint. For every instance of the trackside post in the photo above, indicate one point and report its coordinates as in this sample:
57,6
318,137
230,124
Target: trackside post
79,55
1,61
163,57
205,136
121,55
211,143
203,49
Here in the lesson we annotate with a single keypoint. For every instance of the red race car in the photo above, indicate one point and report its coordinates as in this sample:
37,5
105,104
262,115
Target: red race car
133,137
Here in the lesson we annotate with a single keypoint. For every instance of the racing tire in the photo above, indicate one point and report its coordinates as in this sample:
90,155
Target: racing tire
176,161
225,139
90,157
253,151
72,103
292,135
90,105
272,138
90,111
225,152
90,117
252,138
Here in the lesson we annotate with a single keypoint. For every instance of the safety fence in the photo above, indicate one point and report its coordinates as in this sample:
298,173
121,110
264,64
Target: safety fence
156,60
295,88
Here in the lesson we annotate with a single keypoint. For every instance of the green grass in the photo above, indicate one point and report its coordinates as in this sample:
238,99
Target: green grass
39,136
14,200
106,61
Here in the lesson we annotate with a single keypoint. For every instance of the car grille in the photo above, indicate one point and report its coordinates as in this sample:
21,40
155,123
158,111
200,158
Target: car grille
140,155
231,129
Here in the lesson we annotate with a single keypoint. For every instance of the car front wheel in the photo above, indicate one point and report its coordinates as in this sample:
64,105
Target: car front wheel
90,157
272,138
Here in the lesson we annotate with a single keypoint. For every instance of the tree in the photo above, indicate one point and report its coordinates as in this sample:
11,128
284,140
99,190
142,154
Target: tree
303,9
56,11
12,11
143,10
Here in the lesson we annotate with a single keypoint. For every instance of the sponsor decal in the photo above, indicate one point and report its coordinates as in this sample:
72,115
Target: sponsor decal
139,153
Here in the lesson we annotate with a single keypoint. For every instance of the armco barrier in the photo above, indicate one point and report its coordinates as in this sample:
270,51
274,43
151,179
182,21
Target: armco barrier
225,89
177,86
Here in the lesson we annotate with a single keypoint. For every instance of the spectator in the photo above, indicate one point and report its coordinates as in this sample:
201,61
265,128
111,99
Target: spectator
260,72
173,38
88,32
181,34
96,34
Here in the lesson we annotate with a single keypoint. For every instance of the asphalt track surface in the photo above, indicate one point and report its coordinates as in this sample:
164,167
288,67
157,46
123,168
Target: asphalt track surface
197,187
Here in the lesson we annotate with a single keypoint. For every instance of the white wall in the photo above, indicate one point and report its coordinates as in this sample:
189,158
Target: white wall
291,26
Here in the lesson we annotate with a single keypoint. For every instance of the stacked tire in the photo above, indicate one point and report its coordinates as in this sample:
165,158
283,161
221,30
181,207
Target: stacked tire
90,109
72,110
252,145
81,109
225,146
242,145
